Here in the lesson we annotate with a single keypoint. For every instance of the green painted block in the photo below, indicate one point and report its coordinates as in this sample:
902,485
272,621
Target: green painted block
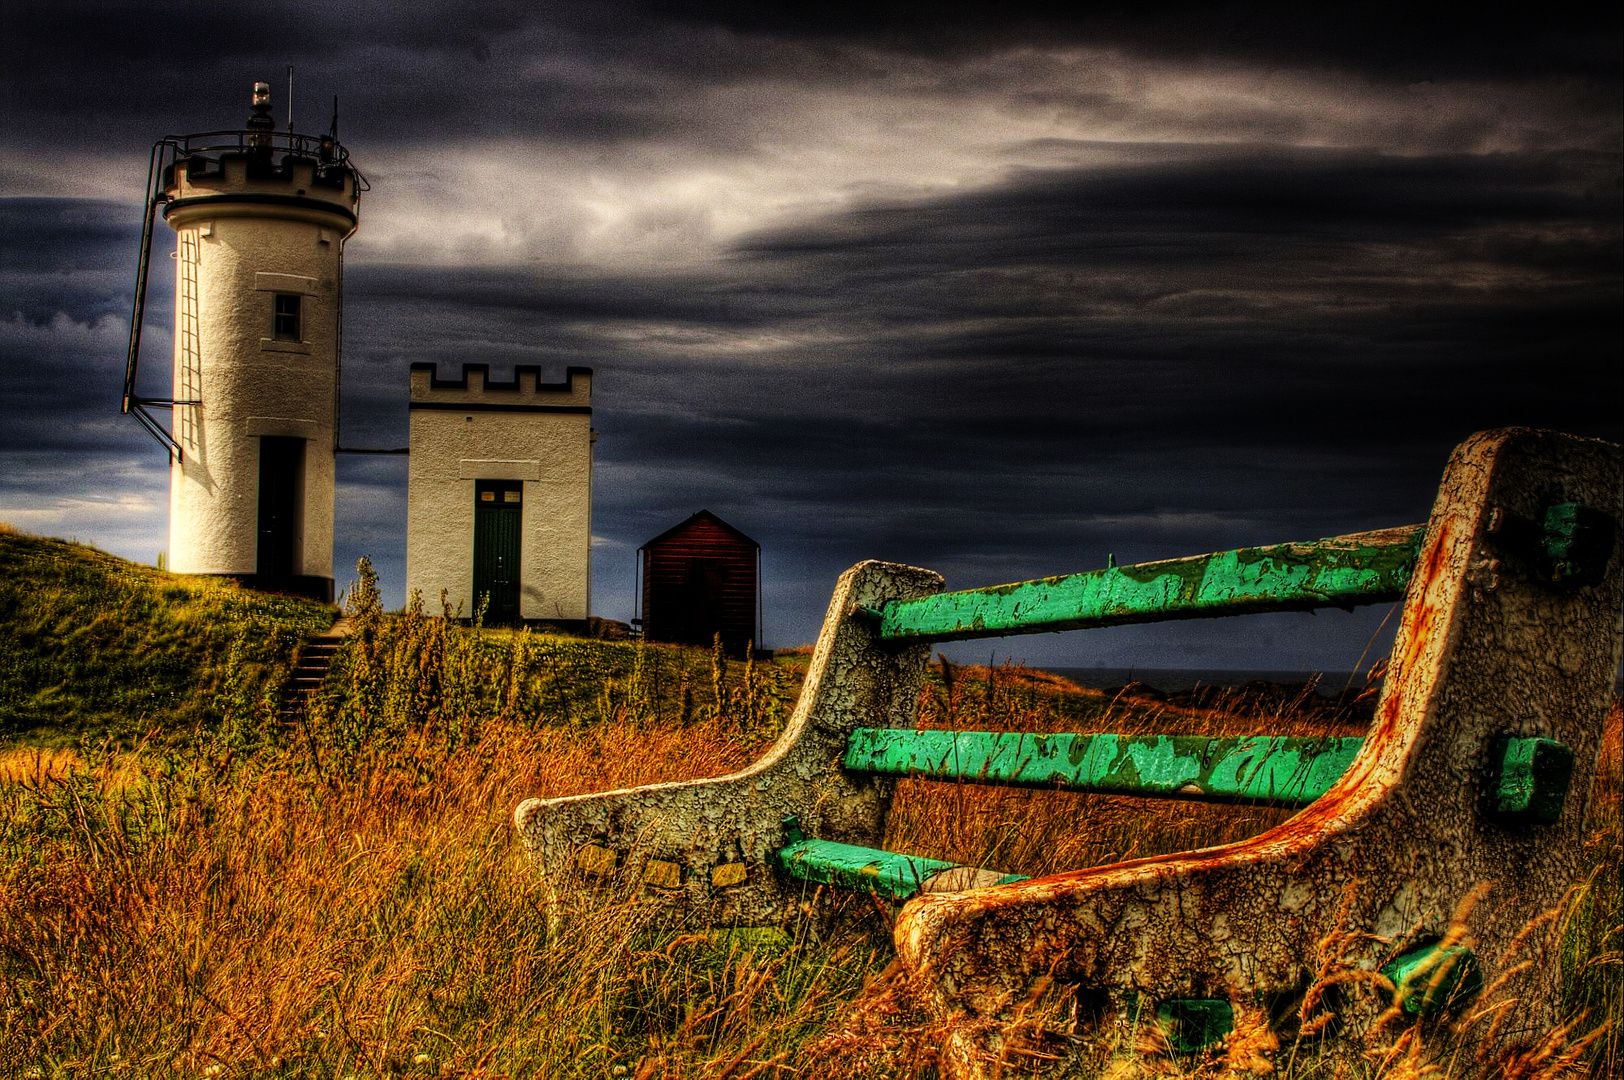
1577,543
1532,780
1272,770
1433,979
1193,1024
1344,571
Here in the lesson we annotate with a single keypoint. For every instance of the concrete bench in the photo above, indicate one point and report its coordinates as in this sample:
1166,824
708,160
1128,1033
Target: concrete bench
1500,677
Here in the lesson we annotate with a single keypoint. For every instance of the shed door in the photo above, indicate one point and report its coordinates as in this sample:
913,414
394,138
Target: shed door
281,517
498,521
706,579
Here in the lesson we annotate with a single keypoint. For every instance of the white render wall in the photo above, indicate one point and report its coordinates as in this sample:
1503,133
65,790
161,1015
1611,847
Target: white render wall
231,258
470,429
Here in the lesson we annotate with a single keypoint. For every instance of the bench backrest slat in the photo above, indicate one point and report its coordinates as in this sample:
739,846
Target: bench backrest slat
1345,571
1270,770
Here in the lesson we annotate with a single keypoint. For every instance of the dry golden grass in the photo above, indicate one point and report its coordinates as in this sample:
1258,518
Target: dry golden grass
242,913
212,918
37,765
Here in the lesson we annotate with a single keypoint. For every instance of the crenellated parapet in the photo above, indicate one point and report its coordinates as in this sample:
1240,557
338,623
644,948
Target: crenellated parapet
259,171
475,390
244,183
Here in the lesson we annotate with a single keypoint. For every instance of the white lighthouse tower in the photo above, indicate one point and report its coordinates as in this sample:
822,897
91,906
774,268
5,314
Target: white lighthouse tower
260,218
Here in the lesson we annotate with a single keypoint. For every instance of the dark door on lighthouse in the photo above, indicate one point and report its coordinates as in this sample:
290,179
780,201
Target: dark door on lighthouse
498,521
281,499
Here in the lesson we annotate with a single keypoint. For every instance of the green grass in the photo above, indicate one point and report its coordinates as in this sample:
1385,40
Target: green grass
92,646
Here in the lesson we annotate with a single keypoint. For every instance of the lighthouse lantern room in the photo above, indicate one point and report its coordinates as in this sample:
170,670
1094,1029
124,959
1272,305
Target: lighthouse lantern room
260,219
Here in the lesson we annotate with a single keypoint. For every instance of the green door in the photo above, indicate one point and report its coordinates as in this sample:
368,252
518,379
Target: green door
498,521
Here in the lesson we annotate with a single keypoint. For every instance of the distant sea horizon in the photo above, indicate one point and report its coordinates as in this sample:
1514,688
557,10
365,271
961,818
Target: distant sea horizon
1174,680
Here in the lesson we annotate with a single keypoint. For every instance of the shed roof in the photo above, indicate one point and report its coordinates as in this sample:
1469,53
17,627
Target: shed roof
700,515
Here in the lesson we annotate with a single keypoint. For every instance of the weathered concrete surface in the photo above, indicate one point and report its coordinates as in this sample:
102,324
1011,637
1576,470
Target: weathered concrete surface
703,850
1486,649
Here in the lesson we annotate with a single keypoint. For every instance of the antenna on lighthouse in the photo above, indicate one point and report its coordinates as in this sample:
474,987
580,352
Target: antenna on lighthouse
290,99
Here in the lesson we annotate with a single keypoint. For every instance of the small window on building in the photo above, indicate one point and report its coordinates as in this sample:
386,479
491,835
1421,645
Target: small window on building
499,494
286,323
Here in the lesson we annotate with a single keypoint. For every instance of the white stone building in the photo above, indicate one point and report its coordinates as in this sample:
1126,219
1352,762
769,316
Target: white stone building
260,219
499,494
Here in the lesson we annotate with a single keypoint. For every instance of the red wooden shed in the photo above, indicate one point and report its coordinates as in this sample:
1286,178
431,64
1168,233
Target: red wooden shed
701,576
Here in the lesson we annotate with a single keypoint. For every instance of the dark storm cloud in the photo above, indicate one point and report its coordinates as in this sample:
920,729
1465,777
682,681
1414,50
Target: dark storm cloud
439,70
113,70
66,256
1148,362
585,73
65,269
122,30
1406,41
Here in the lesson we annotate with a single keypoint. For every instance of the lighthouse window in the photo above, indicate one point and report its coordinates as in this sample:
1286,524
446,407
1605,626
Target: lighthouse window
286,320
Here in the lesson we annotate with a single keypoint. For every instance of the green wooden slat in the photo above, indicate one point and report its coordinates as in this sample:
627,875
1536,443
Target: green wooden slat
1273,770
1363,568
869,869
1276,770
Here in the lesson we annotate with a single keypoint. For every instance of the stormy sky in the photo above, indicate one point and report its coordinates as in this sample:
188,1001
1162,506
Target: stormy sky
965,286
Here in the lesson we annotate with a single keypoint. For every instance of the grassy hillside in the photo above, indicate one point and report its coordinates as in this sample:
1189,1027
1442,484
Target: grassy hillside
92,645
346,897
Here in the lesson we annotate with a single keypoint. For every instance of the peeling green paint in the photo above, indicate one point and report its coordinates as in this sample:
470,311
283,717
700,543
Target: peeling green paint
1275,770
1345,571
1576,542
1193,1024
886,873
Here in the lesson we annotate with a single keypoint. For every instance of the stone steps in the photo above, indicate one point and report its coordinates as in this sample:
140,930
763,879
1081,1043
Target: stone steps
310,669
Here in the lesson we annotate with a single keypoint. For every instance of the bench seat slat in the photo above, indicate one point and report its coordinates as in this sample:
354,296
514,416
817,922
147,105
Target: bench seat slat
1271,770
887,873
1345,571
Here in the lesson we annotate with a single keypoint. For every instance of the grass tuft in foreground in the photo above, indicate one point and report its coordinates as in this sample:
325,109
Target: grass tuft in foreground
218,914
167,915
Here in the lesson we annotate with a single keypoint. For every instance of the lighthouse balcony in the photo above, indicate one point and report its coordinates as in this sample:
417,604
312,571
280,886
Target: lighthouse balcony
214,162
